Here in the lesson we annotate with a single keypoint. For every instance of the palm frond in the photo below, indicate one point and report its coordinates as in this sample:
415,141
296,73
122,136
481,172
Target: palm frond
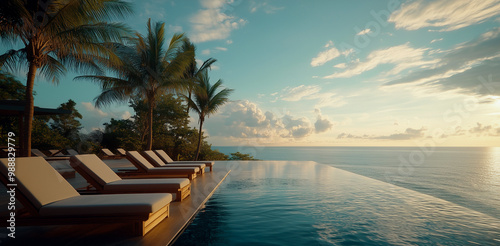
52,69
13,59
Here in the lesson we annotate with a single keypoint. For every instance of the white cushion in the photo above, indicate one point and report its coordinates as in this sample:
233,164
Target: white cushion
198,165
38,181
95,167
164,155
173,170
107,152
147,185
155,160
107,205
139,160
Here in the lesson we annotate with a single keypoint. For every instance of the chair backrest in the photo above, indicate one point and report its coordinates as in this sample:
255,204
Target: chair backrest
163,155
72,152
153,158
107,152
139,161
38,153
54,151
121,151
95,168
38,181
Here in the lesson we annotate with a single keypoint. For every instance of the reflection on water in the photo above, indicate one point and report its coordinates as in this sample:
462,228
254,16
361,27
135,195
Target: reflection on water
294,203
206,226
466,176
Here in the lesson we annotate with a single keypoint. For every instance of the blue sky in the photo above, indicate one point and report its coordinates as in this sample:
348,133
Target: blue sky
333,73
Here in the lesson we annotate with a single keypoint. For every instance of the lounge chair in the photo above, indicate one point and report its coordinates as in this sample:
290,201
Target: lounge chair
146,169
165,158
49,199
72,152
56,152
157,162
121,152
110,155
59,153
105,180
39,153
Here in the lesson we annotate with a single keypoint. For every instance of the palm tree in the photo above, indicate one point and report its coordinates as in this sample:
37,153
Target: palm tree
191,74
207,101
55,34
147,71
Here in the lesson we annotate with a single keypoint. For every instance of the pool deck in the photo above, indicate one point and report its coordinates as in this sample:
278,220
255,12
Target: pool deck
165,233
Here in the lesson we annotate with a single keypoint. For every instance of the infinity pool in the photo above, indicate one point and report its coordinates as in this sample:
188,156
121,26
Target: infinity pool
305,203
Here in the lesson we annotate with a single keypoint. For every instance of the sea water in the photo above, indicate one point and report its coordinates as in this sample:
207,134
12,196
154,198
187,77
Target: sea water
362,196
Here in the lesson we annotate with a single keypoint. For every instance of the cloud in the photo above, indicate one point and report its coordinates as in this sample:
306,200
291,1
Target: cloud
205,52
211,23
363,32
471,68
402,57
229,41
264,6
126,115
341,65
325,56
175,29
485,130
408,134
322,124
90,108
443,15
312,92
221,48
328,99
244,119
299,92
436,40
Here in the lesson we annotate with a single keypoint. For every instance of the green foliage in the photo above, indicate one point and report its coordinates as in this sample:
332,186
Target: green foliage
169,120
146,69
207,100
45,138
11,88
121,134
241,156
67,125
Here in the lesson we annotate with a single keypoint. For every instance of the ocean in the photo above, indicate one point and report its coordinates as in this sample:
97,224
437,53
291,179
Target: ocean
354,196
466,176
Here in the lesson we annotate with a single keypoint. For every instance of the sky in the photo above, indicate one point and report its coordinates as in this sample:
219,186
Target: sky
331,73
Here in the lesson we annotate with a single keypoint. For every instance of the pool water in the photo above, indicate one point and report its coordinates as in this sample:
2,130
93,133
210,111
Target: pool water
305,203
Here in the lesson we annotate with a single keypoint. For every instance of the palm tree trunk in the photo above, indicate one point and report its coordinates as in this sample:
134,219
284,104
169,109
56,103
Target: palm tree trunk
28,112
199,140
150,123
189,96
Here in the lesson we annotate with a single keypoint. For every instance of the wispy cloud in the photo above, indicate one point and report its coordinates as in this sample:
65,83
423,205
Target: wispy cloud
221,48
175,29
363,32
436,40
408,134
212,23
297,93
312,92
401,56
326,55
444,15
471,67
264,6
90,108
